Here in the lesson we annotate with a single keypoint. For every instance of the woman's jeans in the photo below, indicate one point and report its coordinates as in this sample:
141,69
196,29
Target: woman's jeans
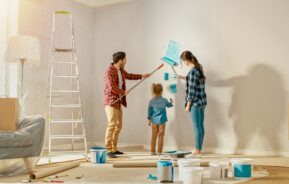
197,115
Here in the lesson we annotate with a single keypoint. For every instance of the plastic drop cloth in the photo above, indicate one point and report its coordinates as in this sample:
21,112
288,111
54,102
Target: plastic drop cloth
26,142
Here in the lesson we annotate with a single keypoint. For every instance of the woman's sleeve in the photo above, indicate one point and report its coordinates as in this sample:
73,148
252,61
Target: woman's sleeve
192,81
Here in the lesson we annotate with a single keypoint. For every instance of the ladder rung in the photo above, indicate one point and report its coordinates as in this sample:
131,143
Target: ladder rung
66,121
67,105
65,76
64,91
67,136
63,50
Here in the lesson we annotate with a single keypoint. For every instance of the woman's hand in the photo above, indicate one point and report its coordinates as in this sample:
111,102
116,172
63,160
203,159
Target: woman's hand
188,107
181,77
149,122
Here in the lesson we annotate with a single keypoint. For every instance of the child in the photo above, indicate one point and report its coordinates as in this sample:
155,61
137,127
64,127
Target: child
157,117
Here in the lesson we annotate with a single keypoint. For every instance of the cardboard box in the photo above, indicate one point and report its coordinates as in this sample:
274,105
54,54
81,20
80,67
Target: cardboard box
9,108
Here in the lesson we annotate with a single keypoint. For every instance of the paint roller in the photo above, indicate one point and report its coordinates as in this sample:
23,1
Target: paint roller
138,84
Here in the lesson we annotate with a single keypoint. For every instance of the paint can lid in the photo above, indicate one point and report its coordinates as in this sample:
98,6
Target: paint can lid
242,160
193,169
98,148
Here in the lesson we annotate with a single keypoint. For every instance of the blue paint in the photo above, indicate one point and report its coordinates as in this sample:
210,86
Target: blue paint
173,88
172,56
166,76
99,153
243,170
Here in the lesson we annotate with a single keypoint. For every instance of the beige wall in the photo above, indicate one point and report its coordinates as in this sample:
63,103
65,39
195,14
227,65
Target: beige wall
36,20
243,46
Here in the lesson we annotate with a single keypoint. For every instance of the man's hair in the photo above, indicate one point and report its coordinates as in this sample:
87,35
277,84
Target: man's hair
118,56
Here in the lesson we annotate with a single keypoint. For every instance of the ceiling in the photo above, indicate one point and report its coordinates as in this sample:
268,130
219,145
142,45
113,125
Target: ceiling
99,3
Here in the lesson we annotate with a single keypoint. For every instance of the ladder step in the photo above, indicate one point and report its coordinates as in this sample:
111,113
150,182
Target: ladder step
64,91
63,50
67,105
66,76
67,136
66,121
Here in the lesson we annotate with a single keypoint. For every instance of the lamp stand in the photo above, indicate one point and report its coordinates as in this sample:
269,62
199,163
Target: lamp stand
22,61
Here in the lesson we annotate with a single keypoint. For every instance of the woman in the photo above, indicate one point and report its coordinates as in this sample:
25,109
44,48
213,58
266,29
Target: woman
196,99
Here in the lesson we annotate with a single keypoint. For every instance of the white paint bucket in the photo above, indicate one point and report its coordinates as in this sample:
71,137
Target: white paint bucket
186,162
98,155
242,168
193,175
165,169
219,169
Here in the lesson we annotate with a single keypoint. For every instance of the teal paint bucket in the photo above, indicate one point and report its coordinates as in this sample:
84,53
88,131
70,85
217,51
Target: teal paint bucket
98,155
242,168
166,76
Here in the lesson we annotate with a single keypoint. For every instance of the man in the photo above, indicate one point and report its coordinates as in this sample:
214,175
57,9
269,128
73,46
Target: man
115,87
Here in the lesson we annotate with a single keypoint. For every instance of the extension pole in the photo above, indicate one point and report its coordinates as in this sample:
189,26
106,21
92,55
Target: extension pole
137,84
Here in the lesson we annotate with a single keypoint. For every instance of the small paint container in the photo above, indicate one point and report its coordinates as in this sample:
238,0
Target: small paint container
242,168
98,155
173,88
166,76
219,169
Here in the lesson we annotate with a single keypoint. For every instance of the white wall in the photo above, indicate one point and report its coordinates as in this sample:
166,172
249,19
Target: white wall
36,20
243,46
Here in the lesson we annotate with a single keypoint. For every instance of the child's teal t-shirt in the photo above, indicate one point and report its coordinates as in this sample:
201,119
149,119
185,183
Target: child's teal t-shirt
157,110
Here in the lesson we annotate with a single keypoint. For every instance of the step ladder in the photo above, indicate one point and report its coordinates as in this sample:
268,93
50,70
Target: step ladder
68,89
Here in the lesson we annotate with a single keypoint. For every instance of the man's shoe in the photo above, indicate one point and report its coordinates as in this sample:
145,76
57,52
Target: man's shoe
111,155
118,153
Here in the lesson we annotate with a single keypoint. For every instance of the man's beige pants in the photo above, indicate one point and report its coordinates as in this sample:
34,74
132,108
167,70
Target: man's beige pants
114,124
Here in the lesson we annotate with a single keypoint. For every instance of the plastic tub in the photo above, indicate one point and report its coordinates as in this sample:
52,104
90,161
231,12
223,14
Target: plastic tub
219,169
242,168
185,162
193,175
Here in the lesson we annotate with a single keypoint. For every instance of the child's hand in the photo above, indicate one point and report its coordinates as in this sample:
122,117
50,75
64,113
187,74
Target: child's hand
171,101
149,123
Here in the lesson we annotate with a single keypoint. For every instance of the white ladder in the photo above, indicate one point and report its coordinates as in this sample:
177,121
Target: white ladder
71,112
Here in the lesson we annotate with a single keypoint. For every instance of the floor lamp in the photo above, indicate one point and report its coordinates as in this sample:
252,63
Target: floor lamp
25,50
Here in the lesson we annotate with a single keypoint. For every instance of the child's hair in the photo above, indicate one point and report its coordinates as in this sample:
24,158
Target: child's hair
157,89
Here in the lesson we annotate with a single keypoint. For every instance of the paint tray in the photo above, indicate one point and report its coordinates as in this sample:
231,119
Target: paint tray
177,154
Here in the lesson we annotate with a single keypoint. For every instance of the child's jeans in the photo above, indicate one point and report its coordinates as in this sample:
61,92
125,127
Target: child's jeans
158,131
197,115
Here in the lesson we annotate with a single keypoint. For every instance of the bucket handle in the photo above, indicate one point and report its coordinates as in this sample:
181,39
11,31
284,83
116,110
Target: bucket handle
167,156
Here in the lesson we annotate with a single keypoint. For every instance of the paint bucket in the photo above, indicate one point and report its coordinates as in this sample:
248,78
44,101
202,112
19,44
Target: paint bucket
185,162
165,170
98,155
193,175
219,169
242,168
166,76
173,88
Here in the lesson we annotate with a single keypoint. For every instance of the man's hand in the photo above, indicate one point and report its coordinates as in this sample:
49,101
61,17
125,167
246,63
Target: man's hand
149,122
145,75
126,92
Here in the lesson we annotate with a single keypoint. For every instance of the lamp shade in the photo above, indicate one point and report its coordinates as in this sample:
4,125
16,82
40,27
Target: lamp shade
23,47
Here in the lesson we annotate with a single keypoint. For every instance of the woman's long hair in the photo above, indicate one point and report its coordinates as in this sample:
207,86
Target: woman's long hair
187,55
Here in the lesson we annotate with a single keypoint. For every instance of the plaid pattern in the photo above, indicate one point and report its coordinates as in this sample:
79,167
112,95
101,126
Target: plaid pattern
195,92
111,86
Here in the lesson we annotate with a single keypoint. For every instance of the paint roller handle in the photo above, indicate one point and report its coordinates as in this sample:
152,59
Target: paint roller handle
137,84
